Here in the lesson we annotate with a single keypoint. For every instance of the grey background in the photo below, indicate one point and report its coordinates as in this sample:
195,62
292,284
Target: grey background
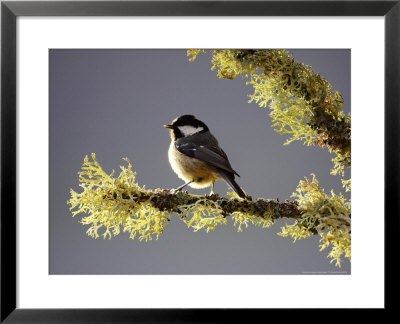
114,103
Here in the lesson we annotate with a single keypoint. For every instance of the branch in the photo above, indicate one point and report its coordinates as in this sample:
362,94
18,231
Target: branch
173,202
302,102
112,203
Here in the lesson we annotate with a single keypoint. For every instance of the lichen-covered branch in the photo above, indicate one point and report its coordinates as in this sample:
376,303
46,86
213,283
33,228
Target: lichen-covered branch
303,104
329,216
112,203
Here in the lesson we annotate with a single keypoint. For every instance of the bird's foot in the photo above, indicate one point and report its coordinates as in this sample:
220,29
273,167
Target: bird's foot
175,191
212,195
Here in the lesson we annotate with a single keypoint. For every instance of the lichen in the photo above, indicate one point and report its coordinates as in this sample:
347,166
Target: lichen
346,184
114,202
241,218
203,214
302,103
117,203
328,216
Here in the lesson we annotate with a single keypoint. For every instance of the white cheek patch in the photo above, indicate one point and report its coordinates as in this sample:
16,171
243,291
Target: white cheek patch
189,130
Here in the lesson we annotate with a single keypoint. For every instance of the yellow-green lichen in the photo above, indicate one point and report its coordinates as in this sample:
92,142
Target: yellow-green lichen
346,184
302,103
240,219
112,202
203,214
117,203
329,216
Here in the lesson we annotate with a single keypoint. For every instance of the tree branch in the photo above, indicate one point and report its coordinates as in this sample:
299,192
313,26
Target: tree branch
302,102
171,202
112,203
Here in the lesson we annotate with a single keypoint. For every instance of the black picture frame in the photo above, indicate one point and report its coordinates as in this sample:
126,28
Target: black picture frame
11,10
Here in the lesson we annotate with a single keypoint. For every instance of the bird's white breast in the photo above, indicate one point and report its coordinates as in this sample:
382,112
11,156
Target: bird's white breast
189,169
173,160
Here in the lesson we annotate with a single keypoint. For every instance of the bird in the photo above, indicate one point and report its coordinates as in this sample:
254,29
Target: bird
196,157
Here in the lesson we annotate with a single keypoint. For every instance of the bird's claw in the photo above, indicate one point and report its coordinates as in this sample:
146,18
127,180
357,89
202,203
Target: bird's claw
175,191
212,195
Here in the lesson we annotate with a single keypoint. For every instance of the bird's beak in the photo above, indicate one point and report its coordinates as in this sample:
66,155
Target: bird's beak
168,126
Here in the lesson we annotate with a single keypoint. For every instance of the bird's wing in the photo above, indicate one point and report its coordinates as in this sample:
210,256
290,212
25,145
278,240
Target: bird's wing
209,154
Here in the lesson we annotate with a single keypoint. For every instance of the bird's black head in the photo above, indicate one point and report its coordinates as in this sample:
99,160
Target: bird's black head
186,125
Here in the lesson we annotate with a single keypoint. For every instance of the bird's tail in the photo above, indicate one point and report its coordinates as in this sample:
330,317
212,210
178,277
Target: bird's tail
230,179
